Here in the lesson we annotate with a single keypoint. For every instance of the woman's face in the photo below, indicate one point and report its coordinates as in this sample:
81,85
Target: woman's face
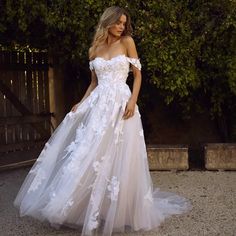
118,28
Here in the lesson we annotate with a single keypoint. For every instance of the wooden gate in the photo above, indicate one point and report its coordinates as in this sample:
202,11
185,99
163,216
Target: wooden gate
25,118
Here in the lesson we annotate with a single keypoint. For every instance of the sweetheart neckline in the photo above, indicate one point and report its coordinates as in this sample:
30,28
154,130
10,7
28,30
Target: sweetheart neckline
132,60
120,55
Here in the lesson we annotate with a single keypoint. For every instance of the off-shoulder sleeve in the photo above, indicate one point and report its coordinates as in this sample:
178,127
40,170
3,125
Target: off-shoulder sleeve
135,62
91,65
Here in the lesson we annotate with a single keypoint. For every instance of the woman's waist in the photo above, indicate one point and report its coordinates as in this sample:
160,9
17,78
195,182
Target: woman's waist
105,87
112,82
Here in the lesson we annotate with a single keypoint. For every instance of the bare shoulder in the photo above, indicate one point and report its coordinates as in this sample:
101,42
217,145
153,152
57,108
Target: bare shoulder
127,40
129,44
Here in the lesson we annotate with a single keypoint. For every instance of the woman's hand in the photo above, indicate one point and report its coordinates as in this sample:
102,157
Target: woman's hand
129,109
74,108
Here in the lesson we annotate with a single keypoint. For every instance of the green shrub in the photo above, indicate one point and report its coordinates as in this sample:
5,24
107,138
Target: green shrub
187,48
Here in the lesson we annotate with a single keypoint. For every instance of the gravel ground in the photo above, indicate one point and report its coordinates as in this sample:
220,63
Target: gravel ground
213,195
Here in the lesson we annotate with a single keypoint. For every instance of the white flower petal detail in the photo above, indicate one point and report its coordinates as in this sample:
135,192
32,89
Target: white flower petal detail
38,179
114,188
93,222
135,62
71,147
141,132
148,195
67,206
96,166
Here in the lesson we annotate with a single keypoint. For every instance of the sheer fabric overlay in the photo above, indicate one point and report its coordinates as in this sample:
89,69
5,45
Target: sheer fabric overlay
93,172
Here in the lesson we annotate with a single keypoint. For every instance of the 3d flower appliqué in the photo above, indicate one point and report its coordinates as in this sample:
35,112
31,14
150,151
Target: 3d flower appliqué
114,188
67,206
96,166
148,195
93,222
40,176
141,132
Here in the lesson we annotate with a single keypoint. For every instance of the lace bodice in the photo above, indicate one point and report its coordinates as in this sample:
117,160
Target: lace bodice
114,70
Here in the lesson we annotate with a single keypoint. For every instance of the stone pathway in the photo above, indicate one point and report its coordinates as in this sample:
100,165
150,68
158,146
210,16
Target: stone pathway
213,195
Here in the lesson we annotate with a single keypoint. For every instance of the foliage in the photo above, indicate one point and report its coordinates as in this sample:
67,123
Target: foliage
215,23
187,47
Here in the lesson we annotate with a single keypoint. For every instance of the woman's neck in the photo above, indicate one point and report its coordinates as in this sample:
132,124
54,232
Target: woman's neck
112,39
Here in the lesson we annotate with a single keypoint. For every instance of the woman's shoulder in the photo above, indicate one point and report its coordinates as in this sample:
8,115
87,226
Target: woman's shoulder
130,46
128,42
127,39
90,53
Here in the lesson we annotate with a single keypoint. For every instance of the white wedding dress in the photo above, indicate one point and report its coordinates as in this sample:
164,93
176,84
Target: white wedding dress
93,172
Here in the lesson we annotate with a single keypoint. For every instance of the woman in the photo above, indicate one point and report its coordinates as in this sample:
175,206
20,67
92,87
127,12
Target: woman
93,171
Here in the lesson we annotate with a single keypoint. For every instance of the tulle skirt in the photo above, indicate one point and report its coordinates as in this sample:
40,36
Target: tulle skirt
93,173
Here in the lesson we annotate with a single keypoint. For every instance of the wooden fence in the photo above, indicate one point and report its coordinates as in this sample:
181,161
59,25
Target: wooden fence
25,118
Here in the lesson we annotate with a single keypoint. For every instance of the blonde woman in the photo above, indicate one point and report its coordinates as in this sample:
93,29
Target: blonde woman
93,172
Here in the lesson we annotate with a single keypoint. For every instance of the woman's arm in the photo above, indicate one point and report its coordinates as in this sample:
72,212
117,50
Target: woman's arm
90,88
132,52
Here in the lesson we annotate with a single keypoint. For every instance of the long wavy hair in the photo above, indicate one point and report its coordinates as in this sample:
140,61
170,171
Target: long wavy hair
109,17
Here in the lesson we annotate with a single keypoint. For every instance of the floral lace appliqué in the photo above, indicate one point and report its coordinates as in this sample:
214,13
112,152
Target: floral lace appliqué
141,132
113,188
40,176
67,206
96,166
93,221
119,131
135,62
148,196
